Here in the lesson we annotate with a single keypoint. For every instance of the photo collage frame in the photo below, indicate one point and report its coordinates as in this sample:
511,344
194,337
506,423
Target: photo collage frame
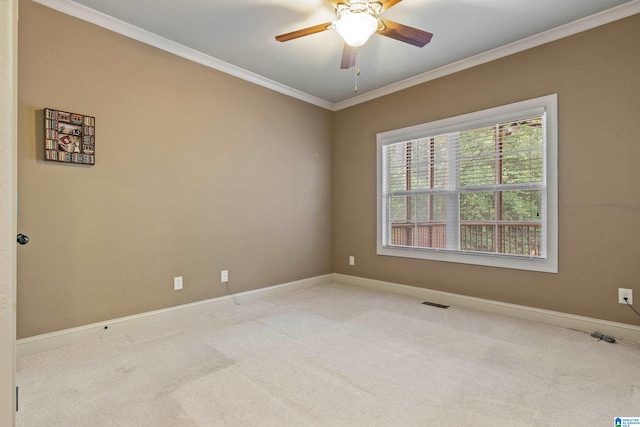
69,137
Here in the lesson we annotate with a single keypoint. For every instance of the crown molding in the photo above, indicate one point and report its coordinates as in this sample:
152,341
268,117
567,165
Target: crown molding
100,19
575,27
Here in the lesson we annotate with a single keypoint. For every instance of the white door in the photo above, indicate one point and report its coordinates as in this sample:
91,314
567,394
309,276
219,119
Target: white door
8,150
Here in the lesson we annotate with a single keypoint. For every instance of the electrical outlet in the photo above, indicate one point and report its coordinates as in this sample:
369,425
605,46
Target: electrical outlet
224,276
177,283
622,293
352,260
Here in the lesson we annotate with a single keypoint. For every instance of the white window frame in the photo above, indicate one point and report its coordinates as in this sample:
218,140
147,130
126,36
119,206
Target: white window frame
547,105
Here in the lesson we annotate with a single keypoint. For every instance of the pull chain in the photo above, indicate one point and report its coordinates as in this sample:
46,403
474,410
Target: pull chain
355,89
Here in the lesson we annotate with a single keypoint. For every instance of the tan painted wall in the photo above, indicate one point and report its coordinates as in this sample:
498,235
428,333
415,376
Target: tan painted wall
597,77
8,137
196,171
199,171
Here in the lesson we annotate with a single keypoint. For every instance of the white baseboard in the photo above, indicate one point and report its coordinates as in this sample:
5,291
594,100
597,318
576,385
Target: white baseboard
53,340
57,339
283,288
621,331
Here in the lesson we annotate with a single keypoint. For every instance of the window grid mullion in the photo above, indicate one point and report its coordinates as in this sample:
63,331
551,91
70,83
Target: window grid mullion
453,196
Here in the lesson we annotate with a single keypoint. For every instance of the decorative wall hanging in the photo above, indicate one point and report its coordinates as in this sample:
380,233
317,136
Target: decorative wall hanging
69,137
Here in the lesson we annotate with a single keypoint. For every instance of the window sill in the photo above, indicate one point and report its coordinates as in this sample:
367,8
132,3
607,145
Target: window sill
548,265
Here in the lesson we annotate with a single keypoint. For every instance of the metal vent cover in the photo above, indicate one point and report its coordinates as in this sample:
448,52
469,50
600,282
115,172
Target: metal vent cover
433,304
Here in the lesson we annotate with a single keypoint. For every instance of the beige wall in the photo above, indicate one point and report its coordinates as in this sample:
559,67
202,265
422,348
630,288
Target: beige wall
8,138
196,171
199,171
596,75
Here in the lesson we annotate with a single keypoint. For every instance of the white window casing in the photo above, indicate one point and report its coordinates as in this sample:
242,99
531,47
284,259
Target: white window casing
480,188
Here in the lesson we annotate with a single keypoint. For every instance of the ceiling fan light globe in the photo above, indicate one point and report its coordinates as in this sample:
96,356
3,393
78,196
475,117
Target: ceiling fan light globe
356,28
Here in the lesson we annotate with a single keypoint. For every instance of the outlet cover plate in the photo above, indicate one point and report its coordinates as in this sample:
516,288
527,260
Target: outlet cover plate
622,292
224,276
177,283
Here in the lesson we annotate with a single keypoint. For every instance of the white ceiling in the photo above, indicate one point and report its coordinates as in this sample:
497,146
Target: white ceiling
238,36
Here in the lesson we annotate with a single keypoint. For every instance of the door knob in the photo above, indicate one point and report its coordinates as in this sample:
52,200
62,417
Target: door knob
22,239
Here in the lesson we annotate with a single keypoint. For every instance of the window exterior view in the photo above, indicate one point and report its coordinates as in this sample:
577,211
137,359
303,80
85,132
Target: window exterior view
474,185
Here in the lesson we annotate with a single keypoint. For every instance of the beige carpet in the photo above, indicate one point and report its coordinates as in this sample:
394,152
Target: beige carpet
334,355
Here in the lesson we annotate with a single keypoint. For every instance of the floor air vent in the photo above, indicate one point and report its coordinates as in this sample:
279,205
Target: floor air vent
433,304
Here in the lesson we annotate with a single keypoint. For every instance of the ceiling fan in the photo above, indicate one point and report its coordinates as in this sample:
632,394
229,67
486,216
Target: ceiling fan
357,22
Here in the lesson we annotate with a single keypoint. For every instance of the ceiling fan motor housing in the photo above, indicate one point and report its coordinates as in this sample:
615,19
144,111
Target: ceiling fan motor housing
358,6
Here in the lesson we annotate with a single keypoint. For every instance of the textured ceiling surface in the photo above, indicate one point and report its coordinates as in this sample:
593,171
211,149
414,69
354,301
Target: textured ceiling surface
242,33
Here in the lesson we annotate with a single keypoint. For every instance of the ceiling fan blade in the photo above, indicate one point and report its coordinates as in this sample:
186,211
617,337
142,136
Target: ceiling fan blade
404,33
348,57
388,4
304,32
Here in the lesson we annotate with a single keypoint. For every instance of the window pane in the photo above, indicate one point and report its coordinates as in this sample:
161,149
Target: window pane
477,237
395,154
421,165
400,209
431,207
521,205
431,212
440,161
419,221
520,239
478,206
477,221
397,179
423,207
477,157
428,163
395,157
522,236
522,151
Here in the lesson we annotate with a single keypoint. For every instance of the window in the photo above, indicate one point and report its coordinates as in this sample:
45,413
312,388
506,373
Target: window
478,189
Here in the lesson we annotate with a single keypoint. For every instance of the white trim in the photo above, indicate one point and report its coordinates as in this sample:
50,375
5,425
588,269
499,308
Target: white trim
54,340
57,339
575,27
85,13
564,320
504,113
113,24
8,206
261,293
